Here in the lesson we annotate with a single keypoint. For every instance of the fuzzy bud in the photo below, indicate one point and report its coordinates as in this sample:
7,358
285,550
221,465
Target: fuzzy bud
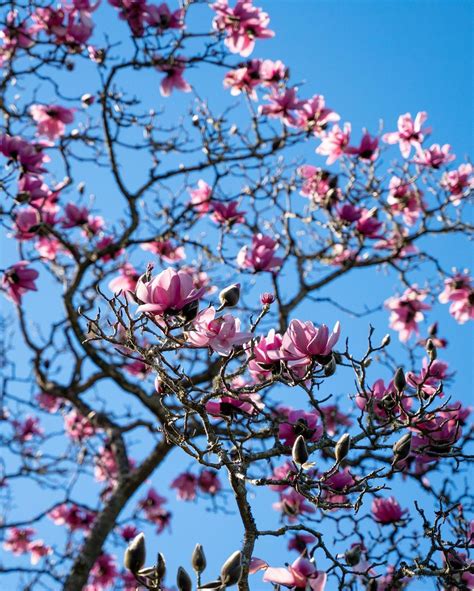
160,566
342,447
299,453
231,569
401,448
330,367
386,341
183,580
353,555
399,380
229,296
198,559
431,350
135,554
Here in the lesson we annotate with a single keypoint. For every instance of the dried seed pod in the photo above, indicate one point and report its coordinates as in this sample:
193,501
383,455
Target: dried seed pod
299,452
183,580
231,569
399,380
135,554
198,559
342,447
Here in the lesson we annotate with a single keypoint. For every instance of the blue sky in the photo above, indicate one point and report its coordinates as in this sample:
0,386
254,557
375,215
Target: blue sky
371,60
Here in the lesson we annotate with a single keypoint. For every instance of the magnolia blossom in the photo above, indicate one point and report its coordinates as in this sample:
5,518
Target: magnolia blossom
405,199
103,573
435,156
28,429
38,550
334,419
75,518
221,334
337,485
227,214
265,355
302,342
161,17
166,250
128,532
282,106
208,482
201,197
292,504
260,256
287,472
49,402
186,486
134,12
460,292
335,143
77,426
313,115
410,133
126,281
299,422
432,374
302,574
387,510
407,312
174,76
299,542
319,185
152,506
167,293
367,149
18,280
242,25
51,119
249,404
368,224
458,182
29,156
383,401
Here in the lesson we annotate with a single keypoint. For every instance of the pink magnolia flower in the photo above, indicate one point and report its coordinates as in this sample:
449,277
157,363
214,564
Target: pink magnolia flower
186,486
334,418
282,106
367,149
33,189
104,243
267,298
272,73
265,355
314,116
80,217
16,34
242,25
292,505
174,70
227,214
208,482
349,213
166,250
51,119
48,248
220,334
245,78
201,197
435,156
299,422
167,293
38,550
18,540
134,12
383,401
459,291
161,17
335,143
337,486
103,573
407,312
458,182
302,342
299,542
49,402
77,426
128,532
430,377
126,281
405,199
18,280
152,506
260,256
75,518
318,185
387,510
28,429
286,471
368,225
29,156
249,404
302,574
410,133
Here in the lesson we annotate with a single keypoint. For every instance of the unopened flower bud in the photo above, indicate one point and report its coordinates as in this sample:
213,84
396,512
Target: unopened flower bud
160,566
399,380
183,580
299,453
267,298
87,100
231,569
198,559
135,554
385,341
353,555
431,350
342,447
433,329
330,367
372,585
190,311
229,296
401,448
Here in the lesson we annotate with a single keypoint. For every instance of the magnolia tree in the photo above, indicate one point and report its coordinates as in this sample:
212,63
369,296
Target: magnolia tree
179,311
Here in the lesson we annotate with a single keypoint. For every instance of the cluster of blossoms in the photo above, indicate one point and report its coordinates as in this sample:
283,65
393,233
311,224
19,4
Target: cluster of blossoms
19,541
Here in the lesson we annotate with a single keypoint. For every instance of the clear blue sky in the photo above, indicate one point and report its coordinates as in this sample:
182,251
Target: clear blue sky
372,60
